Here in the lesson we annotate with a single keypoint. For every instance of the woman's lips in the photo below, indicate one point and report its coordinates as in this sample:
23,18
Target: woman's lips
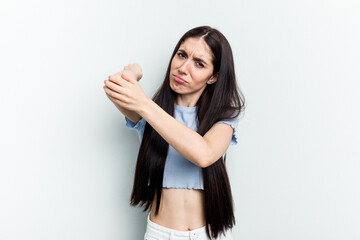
179,79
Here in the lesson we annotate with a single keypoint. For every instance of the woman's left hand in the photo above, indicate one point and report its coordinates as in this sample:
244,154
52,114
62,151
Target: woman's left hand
126,89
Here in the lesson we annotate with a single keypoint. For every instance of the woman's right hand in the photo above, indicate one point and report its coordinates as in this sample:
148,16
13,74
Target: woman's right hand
108,90
135,69
112,85
112,89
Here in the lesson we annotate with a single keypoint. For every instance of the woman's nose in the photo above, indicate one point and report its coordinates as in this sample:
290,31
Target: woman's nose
184,67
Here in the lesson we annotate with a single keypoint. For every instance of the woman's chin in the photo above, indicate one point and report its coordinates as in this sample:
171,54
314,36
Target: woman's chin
176,88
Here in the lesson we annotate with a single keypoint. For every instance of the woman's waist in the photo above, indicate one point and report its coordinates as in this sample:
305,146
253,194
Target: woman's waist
180,209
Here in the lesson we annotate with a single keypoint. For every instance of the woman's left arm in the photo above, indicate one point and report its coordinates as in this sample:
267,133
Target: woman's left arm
201,150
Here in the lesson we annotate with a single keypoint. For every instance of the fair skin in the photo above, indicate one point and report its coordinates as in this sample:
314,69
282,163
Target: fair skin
191,71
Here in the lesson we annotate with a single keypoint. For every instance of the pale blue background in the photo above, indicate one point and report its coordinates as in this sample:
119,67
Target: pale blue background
67,159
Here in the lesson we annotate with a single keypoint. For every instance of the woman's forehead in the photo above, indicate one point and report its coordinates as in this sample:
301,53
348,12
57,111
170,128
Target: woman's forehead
197,47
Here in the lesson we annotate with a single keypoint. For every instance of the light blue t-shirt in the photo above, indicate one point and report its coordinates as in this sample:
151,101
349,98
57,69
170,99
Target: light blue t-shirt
180,172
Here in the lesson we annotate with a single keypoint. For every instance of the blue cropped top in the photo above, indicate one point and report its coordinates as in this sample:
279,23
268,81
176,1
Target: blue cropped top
180,172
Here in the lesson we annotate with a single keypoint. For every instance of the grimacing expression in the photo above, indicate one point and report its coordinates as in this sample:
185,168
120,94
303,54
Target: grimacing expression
192,68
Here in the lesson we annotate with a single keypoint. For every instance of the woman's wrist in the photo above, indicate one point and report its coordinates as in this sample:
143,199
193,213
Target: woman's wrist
131,74
145,107
135,69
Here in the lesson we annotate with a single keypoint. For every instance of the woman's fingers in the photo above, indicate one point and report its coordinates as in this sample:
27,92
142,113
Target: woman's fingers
115,96
119,80
124,89
115,87
126,77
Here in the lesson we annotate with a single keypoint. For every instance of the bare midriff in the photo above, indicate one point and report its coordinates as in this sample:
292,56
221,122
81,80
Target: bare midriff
180,209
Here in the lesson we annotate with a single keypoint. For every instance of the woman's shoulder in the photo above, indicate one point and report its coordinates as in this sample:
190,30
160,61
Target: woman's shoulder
231,119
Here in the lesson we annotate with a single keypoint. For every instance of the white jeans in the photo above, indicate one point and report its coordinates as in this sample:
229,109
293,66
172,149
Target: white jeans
157,232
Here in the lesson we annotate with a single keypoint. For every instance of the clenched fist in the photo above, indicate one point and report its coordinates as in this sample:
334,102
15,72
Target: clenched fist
135,70
124,90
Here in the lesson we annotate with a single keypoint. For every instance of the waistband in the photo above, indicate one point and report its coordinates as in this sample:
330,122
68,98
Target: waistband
178,233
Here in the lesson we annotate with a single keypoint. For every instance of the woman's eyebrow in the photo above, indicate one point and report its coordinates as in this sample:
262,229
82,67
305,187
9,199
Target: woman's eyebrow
200,60
183,52
195,58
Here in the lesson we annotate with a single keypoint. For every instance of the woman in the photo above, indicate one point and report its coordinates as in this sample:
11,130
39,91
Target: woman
184,131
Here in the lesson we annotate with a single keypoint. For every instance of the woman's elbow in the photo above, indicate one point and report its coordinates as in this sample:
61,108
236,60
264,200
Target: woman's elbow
203,164
205,161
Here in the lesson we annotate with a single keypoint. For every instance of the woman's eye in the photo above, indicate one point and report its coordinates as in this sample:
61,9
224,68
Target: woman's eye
181,55
199,64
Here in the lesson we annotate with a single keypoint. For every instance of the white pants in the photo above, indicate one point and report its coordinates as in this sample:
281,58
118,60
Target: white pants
157,232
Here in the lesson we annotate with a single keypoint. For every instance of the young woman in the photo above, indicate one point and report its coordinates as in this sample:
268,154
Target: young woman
185,131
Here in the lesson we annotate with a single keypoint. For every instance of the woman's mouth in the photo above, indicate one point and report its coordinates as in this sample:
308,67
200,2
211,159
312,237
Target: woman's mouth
179,79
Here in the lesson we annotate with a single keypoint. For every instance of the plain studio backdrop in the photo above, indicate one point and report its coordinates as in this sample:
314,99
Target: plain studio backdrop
67,159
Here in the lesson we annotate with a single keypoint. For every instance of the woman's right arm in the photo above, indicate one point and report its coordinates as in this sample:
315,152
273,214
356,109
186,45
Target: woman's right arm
112,84
133,116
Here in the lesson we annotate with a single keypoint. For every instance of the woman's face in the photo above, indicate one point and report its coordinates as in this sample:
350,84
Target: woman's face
192,68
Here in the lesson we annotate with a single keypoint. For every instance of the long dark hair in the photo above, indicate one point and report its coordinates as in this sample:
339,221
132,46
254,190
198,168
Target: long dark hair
219,101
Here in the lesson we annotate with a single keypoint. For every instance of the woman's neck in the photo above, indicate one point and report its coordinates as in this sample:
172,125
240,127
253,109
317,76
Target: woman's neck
187,100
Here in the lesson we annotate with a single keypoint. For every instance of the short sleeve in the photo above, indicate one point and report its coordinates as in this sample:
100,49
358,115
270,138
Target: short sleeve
232,123
139,126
